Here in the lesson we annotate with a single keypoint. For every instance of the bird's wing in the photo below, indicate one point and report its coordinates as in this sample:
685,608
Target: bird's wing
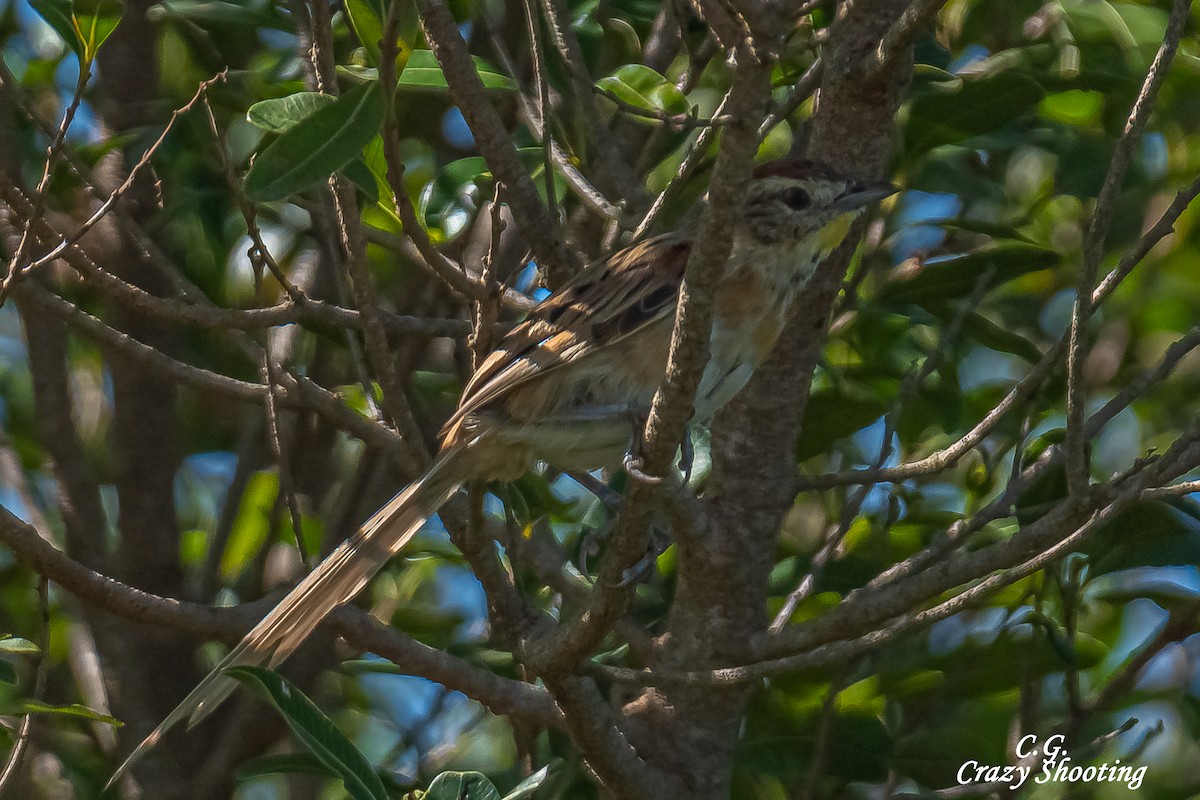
600,306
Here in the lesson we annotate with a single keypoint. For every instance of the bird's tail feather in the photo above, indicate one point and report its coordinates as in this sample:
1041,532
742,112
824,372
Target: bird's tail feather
335,581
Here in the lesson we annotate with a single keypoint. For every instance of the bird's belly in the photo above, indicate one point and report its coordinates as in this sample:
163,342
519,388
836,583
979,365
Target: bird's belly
736,352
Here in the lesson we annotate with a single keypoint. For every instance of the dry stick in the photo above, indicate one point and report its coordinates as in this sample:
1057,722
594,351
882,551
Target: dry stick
486,313
543,103
958,532
502,695
300,392
260,255
801,91
606,155
1026,387
902,33
312,312
592,197
494,142
1041,538
1078,471
275,435
119,192
686,168
908,388
393,396
17,754
309,394
16,266
306,392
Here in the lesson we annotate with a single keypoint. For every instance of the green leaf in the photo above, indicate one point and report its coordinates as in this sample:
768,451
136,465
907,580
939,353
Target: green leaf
60,16
976,107
16,645
366,17
8,673
361,176
833,414
1000,339
96,20
424,72
642,87
530,785
461,786
316,731
281,114
252,525
72,710
208,12
1150,533
285,764
957,276
318,145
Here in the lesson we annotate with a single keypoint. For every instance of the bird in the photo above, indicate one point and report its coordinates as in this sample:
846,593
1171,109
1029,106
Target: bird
564,386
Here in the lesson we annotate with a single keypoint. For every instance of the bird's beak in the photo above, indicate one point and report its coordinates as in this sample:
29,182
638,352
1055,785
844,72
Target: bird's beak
864,193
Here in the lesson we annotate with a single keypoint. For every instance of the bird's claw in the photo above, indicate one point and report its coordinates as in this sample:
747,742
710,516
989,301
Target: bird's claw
635,467
687,455
640,571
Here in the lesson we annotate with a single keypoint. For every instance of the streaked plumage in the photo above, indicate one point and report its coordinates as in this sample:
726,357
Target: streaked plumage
562,386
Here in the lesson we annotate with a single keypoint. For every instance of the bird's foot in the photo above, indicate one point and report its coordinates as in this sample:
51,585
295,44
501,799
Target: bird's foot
633,462
641,571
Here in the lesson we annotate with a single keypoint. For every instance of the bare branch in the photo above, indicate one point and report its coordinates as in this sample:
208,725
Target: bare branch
130,179
503,695
1078,470
494,142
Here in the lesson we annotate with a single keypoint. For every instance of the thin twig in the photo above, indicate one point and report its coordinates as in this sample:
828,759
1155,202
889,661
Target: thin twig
21,744
16,265
686,168
1078,471
494,142
119,192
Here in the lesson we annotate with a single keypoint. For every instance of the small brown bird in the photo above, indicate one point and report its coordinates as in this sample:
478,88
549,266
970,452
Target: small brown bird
564,385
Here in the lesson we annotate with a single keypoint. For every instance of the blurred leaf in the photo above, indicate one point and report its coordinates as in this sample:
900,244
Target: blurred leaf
976,107
285,764
316,731
218,12
979,666
15,645
317,145
957,276
362,177
366,17
8,673
95,21
72,710
642,87
527,787
461,786
834,413
424,72
60,16
998,338
280,114
252,526
1150,533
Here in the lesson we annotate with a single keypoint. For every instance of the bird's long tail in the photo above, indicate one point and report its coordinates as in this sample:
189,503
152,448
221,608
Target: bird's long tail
335,581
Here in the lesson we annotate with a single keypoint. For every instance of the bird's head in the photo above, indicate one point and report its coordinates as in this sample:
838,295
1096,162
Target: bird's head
793,200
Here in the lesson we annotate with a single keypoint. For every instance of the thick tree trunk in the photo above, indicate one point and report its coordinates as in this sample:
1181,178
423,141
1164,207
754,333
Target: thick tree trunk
720,602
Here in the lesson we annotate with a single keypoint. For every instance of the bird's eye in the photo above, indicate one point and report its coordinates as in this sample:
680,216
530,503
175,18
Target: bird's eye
796,198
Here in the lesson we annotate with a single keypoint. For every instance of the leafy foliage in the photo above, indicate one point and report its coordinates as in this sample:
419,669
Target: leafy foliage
964,285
